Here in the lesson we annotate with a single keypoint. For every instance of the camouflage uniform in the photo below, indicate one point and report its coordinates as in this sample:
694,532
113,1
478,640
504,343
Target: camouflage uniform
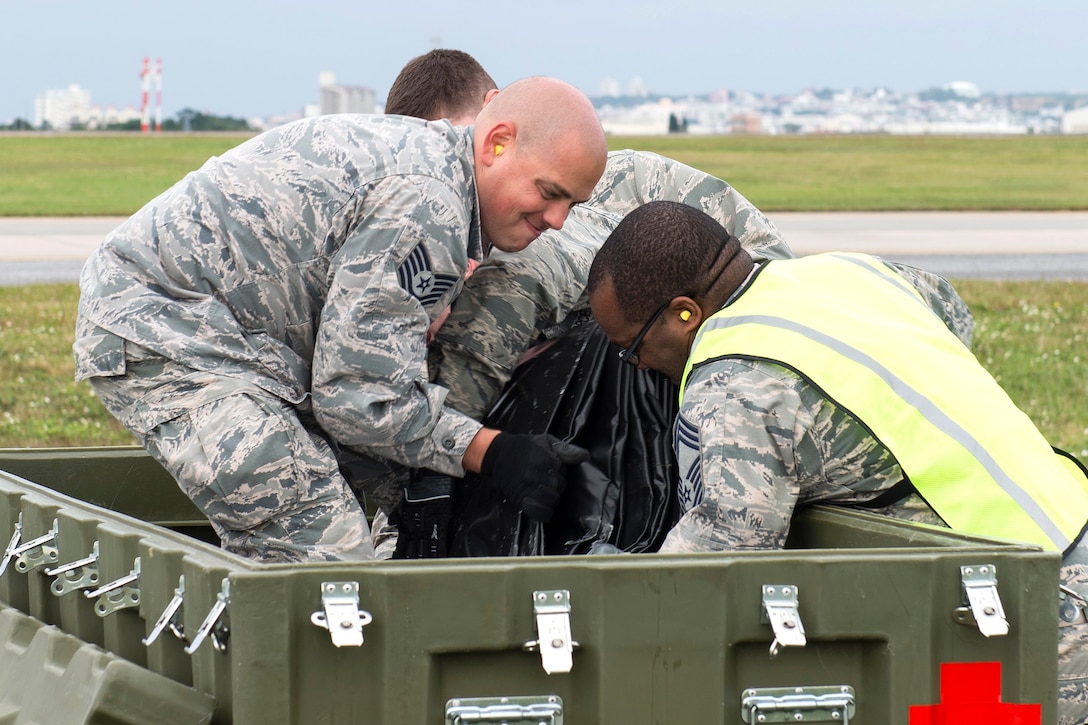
754,441
267,315
513,300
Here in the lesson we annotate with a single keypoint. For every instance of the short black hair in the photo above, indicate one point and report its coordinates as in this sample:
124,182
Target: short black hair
442,83
660,250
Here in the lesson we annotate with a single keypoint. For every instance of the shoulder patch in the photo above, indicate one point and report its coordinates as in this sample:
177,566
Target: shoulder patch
686,443
418,279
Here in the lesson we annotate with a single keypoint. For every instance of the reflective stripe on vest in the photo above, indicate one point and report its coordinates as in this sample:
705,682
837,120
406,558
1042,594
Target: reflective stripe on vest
969,451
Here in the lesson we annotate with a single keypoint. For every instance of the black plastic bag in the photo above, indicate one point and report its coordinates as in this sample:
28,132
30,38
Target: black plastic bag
580,391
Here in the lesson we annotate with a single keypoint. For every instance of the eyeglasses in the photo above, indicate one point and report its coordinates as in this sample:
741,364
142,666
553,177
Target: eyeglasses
629,354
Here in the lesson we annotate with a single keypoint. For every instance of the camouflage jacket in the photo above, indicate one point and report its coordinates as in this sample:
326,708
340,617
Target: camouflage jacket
754,441
514,299
309,261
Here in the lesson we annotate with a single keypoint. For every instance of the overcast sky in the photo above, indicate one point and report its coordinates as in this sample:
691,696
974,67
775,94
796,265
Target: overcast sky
247,58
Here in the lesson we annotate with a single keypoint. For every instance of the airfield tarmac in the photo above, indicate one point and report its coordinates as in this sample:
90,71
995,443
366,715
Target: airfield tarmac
983,245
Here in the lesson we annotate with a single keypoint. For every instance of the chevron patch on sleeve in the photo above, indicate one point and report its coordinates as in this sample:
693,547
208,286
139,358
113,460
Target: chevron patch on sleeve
686,443
418,279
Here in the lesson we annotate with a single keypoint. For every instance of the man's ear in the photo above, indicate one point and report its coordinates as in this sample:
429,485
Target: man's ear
490,95
498,141
687,312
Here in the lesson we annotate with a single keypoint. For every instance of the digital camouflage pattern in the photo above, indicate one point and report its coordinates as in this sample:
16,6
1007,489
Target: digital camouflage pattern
513,300
943,298
306,263
1073,638
268,483
754,441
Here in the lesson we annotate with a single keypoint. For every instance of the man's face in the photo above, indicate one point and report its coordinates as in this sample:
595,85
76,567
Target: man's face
524,192
663,346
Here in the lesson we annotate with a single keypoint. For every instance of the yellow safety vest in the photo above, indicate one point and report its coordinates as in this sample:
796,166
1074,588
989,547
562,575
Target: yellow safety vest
965,446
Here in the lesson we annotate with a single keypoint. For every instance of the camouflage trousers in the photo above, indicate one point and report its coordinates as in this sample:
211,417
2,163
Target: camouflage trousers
270,486
1073,638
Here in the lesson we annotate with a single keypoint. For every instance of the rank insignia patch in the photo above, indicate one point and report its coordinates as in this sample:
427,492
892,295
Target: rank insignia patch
419,280
686,437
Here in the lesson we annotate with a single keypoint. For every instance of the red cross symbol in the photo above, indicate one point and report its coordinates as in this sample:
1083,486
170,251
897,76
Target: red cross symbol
971,695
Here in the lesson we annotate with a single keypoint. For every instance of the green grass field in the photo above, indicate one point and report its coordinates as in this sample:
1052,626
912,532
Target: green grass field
1031,336
87,174
97,174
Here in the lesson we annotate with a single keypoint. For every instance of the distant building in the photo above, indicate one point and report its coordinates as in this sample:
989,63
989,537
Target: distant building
336,98
1075,121
746,123
609,87
963,89
111,115
62,109
636,87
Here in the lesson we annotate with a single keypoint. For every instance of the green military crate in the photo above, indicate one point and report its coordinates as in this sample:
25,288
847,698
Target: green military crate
850,624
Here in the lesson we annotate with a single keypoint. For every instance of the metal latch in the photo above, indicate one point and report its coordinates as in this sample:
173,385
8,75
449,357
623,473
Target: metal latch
9,552
215,624
833,703
118,594
79,574
340,613
552,611
780,609
170,617
541,710
983,608
36,552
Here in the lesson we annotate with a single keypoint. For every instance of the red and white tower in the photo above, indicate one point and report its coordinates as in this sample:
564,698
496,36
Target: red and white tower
145,84
158,95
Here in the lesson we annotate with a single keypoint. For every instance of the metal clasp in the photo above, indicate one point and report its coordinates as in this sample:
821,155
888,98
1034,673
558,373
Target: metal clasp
36,552
340,613
215,624
983,607
834,703
9,552
117,594
80,574
552,611
780,609
170,617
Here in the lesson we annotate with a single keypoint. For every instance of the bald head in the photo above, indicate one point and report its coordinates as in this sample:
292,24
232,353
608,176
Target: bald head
547,111
539,149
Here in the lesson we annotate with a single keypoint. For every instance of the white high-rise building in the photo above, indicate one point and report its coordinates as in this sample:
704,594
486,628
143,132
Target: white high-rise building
336,98
62,109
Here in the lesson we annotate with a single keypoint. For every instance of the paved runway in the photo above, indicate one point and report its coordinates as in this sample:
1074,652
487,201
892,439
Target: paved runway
987,245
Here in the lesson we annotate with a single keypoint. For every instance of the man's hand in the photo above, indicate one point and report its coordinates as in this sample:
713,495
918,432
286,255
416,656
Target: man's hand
530,470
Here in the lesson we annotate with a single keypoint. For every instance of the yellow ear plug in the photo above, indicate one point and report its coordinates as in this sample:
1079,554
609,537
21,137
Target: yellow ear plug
498,149
685,315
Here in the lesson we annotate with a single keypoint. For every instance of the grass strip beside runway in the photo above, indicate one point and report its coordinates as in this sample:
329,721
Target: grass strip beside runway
1030,335
106,175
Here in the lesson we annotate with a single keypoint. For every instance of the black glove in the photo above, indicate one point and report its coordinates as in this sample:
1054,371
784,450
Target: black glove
529,470
422,518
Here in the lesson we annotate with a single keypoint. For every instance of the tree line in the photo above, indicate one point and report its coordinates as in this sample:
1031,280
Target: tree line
185,120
